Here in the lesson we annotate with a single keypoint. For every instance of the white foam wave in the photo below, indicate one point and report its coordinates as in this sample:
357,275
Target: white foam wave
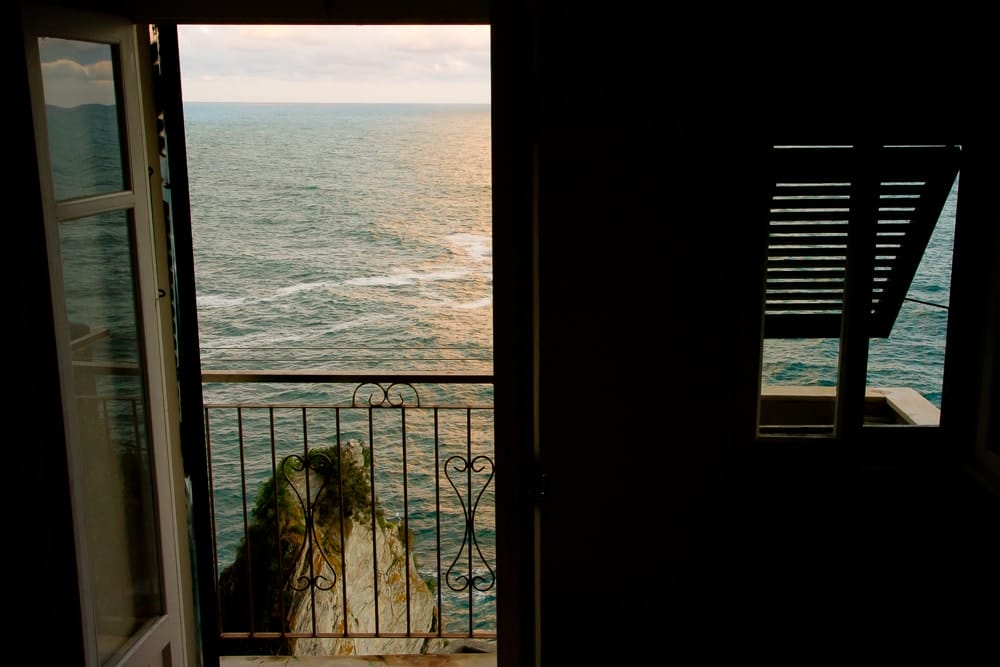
357,324
477,246
485,302
257,339
382,281
450,274
220,301
403,279
304,287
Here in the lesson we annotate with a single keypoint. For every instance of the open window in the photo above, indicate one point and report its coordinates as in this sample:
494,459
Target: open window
856,286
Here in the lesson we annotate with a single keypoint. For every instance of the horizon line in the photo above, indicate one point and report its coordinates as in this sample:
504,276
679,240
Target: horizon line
330,102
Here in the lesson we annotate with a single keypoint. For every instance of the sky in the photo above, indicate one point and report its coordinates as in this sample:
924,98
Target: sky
441,64
76,72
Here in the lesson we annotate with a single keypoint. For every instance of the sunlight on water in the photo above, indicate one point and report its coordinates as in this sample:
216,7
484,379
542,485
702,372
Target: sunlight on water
368,231
352,237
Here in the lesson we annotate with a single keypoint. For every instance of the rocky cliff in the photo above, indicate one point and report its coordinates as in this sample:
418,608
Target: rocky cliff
320,557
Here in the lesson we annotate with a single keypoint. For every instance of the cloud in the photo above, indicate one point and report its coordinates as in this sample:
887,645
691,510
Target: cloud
68,83
86,53
341,63
70,69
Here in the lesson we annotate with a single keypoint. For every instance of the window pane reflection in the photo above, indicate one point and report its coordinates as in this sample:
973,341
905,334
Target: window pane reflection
117,476
81,107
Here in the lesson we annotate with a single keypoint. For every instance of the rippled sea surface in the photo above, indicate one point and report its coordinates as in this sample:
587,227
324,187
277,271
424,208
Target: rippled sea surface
352,238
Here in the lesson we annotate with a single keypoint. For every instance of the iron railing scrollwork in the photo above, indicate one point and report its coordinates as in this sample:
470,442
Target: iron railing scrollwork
382,398
457,581
320,463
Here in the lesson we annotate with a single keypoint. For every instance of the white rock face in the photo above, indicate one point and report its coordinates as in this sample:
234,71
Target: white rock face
327,607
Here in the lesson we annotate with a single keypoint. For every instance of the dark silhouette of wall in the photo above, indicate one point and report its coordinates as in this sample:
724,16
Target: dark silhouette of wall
662,515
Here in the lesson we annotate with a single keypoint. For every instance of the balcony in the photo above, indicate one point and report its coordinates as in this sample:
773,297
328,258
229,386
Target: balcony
303,565
805,410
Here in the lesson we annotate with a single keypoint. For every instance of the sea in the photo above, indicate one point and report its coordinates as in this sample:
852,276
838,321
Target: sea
353,237
342,236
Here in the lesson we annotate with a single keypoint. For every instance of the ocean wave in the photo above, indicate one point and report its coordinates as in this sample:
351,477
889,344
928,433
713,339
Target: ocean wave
477,246
304,287
382,281
356,324
449,274
221,301
485,302
406,279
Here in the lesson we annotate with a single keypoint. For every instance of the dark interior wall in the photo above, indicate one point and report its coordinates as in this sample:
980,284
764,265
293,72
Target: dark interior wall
661,513
641,369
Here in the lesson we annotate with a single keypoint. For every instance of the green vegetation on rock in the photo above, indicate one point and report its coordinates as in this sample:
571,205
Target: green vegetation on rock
336,490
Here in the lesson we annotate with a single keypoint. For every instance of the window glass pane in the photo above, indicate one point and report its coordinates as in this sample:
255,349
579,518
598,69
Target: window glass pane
81,106
116,474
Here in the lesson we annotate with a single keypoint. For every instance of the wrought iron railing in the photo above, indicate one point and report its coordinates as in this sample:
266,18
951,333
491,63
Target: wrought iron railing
350,508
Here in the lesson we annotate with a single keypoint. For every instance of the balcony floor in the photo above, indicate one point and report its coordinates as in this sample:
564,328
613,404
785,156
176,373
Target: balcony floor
436,660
